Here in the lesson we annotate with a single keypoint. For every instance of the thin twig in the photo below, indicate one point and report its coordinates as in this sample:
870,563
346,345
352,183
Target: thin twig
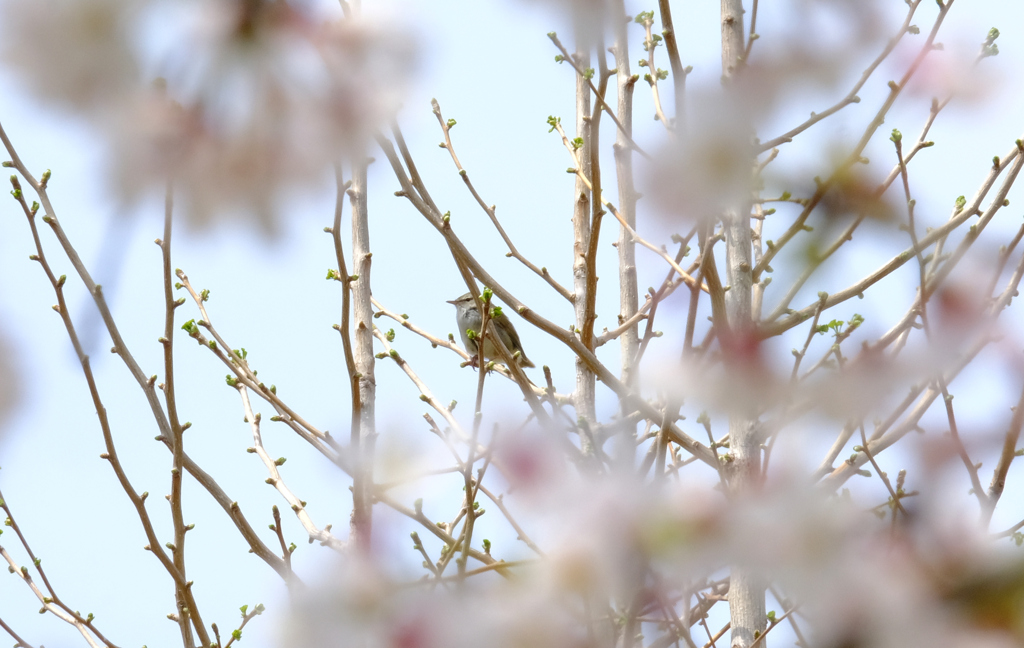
851,97
21,643
895,88
690,281
53,602
324,536
177,436
110,455
490,210
1006,457
599,96
229,505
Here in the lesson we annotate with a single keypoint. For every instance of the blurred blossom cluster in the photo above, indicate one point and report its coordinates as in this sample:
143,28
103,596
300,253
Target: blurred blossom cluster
10,385
591,20
706,170
364,607
250,97
618,544
75,52
810,63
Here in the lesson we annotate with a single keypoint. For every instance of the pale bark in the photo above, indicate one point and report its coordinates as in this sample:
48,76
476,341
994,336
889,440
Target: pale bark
628,292
746,587
364,436
585,395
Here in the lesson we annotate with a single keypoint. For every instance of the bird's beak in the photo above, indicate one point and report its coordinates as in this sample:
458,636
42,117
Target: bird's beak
451,301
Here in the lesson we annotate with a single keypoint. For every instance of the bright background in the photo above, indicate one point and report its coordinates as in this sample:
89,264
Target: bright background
491,67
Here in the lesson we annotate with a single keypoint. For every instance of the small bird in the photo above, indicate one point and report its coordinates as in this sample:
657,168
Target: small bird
467,316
